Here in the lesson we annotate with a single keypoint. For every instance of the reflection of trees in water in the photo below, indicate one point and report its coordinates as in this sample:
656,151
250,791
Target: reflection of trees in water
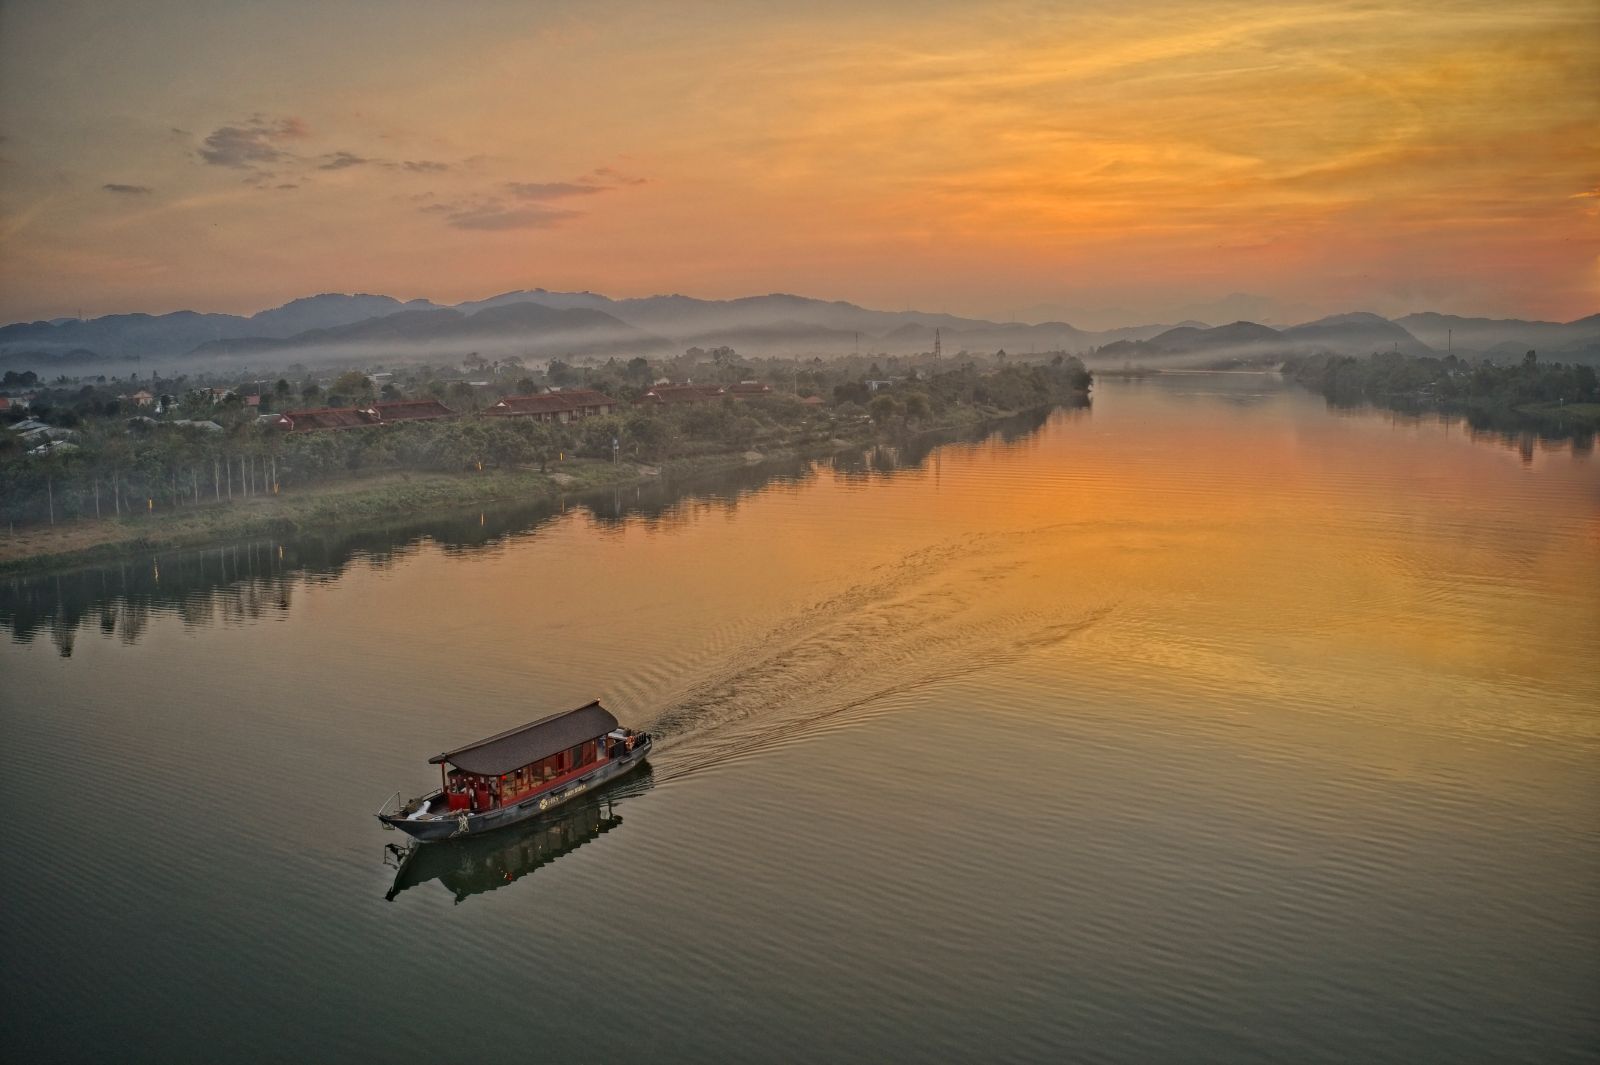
913,451
243,582
667,502
237,583
1522,433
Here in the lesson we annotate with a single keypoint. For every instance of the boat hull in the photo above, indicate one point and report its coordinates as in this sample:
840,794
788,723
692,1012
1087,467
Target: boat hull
462,824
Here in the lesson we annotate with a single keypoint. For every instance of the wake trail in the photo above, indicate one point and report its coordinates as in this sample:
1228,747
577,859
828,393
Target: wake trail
935,616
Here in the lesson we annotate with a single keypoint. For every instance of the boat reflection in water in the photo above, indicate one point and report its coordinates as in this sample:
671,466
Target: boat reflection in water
475,864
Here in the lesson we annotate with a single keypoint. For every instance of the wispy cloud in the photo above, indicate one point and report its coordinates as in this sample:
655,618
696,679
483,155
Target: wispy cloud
423,166
341,161
513,218
607,176
552,190
525,204
255,141
127,190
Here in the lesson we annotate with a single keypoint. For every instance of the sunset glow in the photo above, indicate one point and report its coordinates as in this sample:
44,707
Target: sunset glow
1100,162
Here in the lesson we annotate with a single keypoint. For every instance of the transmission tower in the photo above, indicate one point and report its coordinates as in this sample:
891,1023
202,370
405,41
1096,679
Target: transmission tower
938,348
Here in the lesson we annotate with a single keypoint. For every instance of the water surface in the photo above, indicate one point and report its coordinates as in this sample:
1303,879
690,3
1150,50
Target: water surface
1207,724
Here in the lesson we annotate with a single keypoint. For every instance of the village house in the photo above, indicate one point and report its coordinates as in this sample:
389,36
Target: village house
141,398
749,390
565,406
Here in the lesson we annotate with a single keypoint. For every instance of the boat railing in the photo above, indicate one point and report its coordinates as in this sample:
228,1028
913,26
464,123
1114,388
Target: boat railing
394,801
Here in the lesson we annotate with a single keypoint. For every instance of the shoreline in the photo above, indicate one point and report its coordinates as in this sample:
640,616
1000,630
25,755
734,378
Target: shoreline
373,501
1549,418
378,500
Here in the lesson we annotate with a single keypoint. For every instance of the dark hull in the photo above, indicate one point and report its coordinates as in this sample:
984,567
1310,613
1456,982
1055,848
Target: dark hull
461,824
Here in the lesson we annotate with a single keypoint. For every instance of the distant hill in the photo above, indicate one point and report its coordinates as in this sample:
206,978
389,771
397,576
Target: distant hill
542,323
326,311
523,328
123,335
1358,333
1501,335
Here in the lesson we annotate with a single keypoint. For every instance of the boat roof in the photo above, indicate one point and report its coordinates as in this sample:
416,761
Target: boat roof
515,748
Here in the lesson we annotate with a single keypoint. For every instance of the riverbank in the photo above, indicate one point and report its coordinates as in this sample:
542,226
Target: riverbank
1551,399
375,499
372,499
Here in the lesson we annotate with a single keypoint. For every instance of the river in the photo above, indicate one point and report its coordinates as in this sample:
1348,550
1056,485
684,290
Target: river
1207,723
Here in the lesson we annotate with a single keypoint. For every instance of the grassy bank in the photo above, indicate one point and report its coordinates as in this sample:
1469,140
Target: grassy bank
340,503
1563,415
370,500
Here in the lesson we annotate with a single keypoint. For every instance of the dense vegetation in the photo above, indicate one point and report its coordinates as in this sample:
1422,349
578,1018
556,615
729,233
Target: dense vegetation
1527,392
122,461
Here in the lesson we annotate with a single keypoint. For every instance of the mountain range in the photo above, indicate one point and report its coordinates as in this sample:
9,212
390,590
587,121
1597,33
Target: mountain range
539,324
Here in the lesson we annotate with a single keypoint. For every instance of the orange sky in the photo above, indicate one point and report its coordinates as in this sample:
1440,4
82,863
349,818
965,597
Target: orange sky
1097,161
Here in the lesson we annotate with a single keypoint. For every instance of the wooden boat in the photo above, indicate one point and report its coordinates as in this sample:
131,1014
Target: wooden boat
514,775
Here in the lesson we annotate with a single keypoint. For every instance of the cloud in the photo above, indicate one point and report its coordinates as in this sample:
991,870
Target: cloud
424,166
524,204
341,161
491,214
520,218
605,175
551,190
286,185
251,142
127,190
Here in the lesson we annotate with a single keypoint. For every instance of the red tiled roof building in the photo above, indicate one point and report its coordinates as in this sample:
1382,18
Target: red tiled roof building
305,421
410,410
555,406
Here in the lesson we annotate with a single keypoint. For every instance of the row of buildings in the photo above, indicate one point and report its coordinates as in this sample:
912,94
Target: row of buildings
567,405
